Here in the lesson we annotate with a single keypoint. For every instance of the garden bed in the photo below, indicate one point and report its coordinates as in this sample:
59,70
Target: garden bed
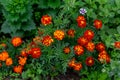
60,39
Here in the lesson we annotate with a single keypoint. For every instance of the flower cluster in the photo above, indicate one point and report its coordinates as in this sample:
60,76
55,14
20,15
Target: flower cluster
4,57
81,21
84,43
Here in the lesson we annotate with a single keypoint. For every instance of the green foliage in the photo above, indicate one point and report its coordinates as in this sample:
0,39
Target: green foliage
49,3
96,75
18,16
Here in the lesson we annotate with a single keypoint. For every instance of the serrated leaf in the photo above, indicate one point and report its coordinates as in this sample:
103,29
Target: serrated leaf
30,25
5,28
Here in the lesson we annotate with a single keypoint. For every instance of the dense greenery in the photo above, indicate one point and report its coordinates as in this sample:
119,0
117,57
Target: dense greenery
23,18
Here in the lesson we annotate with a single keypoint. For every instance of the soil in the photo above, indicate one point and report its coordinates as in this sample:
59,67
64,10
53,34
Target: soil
70,75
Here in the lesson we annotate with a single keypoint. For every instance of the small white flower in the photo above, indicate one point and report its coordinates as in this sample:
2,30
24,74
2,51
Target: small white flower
82,11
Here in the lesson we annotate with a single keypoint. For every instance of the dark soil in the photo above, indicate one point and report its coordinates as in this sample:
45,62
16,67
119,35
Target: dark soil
70,75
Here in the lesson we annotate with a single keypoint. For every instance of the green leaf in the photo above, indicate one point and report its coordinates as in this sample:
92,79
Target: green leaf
17,33
102,1
43,4
103,76
117,3
5,28
118,29
54,3
28,26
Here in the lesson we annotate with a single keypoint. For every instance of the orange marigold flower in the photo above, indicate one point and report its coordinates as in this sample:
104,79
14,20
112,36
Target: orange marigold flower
37,39
79,50
100,47
98,24
18,69
47,40
89,61
9,61
104,57
24,53
82,41
46,20
66,50
82,24
78,66
71,63
22,60
4,55
117,44
35,52
89,34
71,32
79,18
59,34
90,46
16,41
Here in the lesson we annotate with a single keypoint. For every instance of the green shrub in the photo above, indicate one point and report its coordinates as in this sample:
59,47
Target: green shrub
18,15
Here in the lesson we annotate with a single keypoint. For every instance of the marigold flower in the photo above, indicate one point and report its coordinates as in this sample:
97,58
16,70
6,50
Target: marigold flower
89,34
104,57
24,53
22,60
79,18
100,47
82,41
82,24
71,63
79,50
16,41
32,44
4,55
46,20
35,52
18,69
71,32
117,44
47,40
90,46
98,24
89,61
9,61
37,39
78,66
66,50
59,34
